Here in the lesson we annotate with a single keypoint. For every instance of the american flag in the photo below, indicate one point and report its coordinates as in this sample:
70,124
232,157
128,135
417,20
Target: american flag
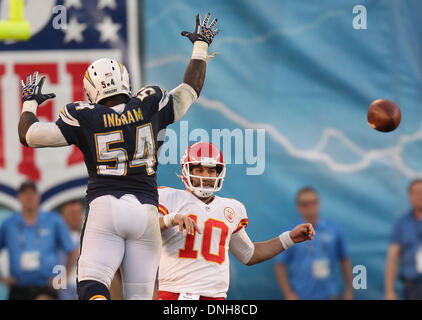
66,36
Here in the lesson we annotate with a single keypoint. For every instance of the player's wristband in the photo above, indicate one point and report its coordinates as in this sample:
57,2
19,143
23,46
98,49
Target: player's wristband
200,50
168,220
30,106
286,240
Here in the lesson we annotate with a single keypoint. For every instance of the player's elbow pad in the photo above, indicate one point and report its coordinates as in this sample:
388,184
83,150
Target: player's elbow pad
45,134
183,97
242,247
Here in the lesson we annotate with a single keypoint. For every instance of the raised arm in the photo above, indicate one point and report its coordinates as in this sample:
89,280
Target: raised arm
201,38
33,133
186,93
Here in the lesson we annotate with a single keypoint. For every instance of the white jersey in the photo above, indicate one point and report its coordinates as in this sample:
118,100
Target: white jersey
198,264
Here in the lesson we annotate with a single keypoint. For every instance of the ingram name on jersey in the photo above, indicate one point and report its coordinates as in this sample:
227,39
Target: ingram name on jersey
119,144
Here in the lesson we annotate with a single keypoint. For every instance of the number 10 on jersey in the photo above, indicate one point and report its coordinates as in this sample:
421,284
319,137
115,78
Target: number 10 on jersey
189,252
144,154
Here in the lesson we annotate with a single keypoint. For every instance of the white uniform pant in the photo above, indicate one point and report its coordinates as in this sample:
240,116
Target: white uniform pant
121,233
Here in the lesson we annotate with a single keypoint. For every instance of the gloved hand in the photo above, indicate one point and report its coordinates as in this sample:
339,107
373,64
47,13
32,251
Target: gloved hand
32,90
202,31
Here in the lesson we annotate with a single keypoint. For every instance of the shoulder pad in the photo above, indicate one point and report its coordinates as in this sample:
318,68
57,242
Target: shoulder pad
150,91
166,190
157,95
81,105
239,208
70,113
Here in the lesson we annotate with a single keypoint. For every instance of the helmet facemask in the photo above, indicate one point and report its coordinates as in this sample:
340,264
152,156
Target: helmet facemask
202,190
207,155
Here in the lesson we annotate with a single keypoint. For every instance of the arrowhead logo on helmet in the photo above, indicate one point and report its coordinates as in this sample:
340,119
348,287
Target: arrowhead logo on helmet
207,155
105,78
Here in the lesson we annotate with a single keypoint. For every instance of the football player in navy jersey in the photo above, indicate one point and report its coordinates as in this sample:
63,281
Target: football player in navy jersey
117,133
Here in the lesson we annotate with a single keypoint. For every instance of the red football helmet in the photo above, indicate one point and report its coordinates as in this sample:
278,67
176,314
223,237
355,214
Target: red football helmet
207,155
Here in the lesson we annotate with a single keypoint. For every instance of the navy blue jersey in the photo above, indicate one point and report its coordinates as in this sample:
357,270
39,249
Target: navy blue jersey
120,148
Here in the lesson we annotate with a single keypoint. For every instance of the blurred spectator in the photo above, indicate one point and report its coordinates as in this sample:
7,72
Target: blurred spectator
4,257
307,270
72,213
32,239
406,248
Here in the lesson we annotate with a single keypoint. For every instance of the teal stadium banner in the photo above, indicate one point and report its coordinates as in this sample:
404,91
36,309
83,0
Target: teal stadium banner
306,72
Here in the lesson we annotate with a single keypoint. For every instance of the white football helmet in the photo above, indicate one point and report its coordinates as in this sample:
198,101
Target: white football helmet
105,78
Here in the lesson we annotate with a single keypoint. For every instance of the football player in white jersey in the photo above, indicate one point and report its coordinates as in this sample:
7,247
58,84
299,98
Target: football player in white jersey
198,229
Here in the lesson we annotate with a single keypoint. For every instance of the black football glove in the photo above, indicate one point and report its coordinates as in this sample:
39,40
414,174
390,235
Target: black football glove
32,90
202,31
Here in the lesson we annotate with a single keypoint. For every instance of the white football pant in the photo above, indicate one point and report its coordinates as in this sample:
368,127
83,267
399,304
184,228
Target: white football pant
121,233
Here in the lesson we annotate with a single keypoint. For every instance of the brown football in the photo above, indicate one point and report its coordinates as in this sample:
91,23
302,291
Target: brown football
384,115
